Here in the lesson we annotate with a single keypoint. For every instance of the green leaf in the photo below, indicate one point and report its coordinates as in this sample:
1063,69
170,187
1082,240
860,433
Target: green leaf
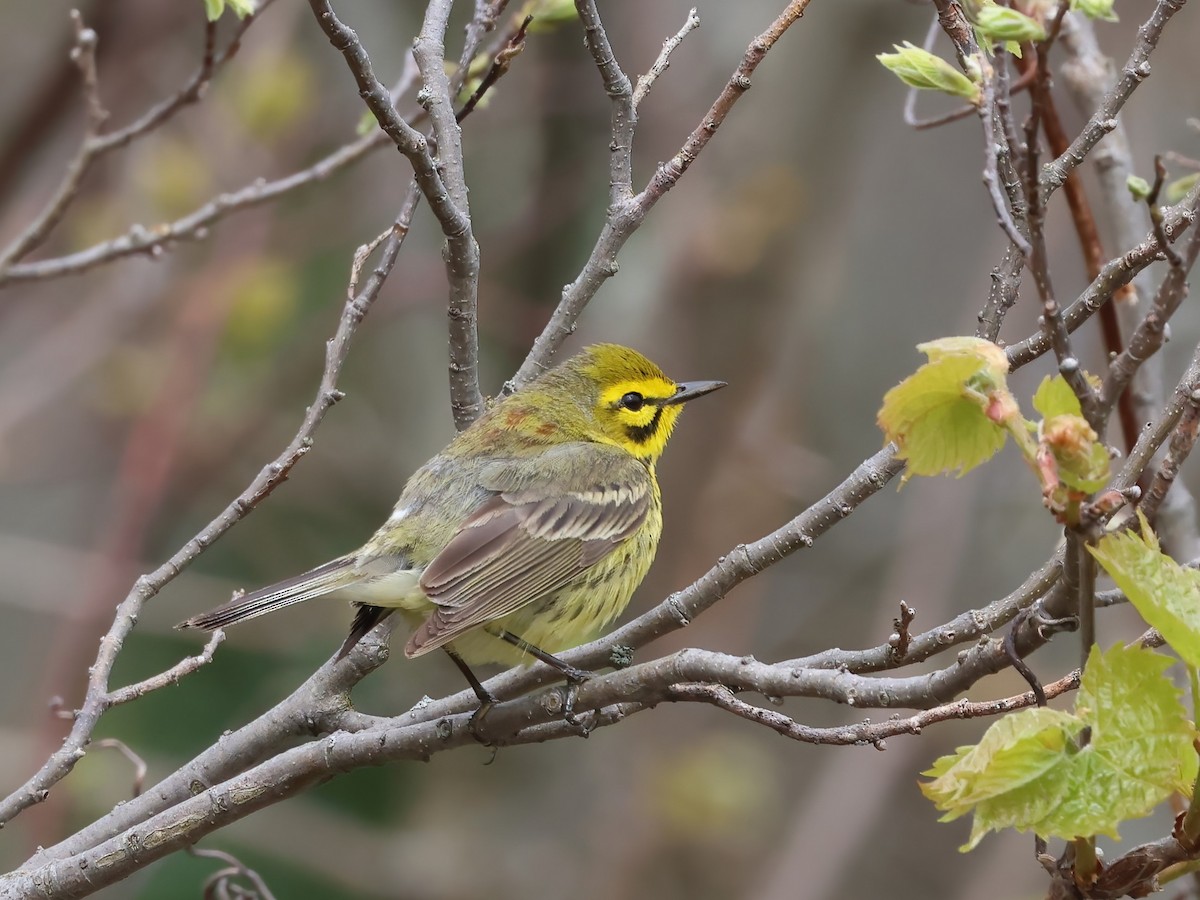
921,69
550,14
1029,773
213,9
1005,779
944,416
1166,594
243,8
1138,186
1054,397
1000,23
1180,187
1096,9
1140,750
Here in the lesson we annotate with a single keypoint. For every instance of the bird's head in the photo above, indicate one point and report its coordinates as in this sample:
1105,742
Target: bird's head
625,398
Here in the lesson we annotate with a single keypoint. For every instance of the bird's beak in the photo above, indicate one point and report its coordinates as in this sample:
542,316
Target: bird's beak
690,390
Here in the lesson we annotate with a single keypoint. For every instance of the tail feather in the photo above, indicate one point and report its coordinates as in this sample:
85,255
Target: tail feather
365,619
324,579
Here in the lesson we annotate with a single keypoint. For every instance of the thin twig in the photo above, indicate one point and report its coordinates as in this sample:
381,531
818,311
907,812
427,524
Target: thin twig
97,698
218,882
1104,119
96,144
625,218
139,765
181,669
1150,333
446,194
500,63
645,82
1114,274
1183,441
865,733
461,249
954,23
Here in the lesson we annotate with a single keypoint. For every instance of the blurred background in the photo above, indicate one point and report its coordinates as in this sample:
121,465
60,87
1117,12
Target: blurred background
813,244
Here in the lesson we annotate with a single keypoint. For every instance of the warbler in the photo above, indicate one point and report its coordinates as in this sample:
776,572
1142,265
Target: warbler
527,535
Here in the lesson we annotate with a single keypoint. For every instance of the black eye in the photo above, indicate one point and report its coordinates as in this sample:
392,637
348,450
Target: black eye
633,401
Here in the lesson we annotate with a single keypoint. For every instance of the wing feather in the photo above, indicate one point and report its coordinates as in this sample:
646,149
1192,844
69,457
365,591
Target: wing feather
529,540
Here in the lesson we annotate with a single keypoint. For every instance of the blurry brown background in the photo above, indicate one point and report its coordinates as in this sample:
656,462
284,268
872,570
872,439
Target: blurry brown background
813,244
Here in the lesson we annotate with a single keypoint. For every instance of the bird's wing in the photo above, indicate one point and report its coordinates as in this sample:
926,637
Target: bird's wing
550,519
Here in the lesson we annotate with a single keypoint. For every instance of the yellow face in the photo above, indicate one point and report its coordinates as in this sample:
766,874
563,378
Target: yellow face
634,415
637,406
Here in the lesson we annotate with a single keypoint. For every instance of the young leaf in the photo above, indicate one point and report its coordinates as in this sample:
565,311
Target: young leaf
1007,778
1138,187
1179,188
1096,9
1029,772
1054,397
947,416
1140,751
1081,459
213,9
921,69
1000,23
1165,594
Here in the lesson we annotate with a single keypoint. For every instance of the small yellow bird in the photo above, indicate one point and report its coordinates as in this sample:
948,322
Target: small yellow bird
527,535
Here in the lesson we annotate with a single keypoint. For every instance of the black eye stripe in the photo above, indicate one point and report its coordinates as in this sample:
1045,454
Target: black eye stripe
639,434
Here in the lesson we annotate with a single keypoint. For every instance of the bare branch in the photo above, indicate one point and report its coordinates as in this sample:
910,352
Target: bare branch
645,82
624,219
1104,119
462,251
1119,271
139,765
1149,335
446,196
865,733
95,144
620,94
195,225
97,698
83,54
181,669
216,884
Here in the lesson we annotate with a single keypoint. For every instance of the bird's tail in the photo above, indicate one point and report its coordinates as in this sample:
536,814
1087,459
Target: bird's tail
324,579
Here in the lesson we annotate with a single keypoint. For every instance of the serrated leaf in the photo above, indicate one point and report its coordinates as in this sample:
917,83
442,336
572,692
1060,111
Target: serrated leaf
1054,397
921,69
1165,594
939,415
1140,751
213,9
1180,187
1005,778
1029,773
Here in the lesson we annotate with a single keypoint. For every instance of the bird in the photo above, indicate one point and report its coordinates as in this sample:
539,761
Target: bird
526,536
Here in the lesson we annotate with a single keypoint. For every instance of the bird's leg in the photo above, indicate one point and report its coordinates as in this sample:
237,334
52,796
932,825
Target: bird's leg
574,676
569,672
486,699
